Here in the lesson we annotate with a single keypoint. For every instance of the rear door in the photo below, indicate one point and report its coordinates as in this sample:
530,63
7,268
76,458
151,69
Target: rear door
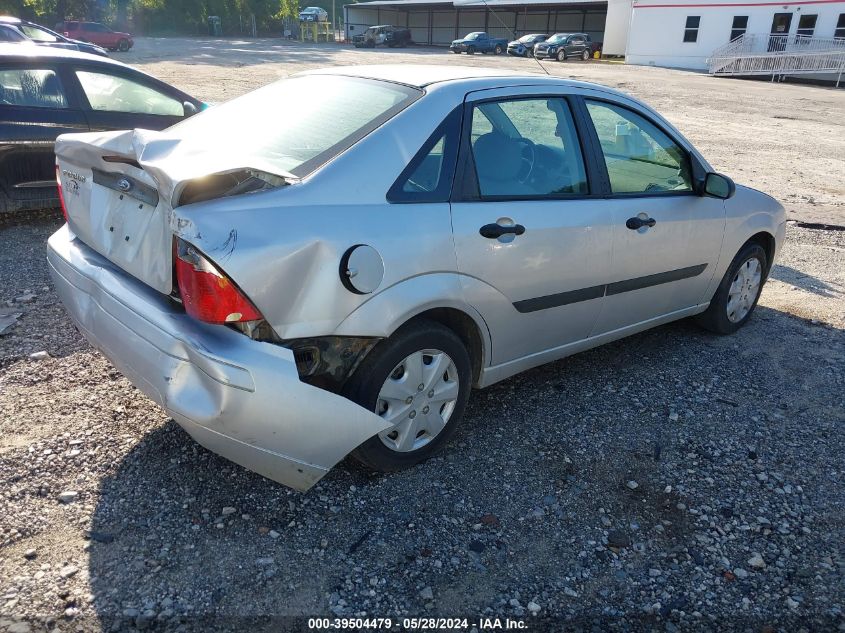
117,99
666,238
35,107
575,46
527,223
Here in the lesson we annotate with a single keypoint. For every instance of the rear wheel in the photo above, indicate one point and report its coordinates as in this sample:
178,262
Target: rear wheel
737,294
497,50
419,381
123,45
561,56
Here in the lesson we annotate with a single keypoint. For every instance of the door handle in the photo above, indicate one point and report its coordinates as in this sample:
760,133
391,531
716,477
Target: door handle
493,231
638,223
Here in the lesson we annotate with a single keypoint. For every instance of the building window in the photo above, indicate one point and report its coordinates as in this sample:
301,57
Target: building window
739,26
691,28
806,25
840,27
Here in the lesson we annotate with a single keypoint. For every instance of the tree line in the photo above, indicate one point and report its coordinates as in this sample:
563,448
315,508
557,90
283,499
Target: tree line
162,17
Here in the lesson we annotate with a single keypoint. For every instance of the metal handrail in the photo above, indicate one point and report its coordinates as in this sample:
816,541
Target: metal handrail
778,55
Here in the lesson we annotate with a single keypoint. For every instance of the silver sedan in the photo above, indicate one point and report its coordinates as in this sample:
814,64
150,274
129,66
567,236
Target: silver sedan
329,264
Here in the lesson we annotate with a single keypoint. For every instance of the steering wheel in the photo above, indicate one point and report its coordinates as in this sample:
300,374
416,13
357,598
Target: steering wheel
528,156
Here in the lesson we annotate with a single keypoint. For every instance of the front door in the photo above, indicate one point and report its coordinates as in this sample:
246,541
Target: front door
119,102
533,242
780,31
666,238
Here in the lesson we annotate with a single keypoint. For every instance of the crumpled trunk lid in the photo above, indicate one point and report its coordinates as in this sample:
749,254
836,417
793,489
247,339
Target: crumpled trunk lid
120,189
116,204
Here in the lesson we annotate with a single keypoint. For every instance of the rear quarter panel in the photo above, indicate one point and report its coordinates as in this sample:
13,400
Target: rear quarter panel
284,247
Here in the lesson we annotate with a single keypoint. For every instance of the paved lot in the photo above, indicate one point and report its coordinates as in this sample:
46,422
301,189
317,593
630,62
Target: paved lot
672,481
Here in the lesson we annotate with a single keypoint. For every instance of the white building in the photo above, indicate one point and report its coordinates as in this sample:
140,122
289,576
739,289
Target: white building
673,33
684,33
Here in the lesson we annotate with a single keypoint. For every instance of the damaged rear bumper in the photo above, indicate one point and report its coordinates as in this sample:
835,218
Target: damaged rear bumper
240,398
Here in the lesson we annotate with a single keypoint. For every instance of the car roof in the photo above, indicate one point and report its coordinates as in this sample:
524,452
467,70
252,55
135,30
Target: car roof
15,52
420,76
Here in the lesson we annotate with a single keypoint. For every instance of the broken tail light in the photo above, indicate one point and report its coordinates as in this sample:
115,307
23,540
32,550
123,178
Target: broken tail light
207,293
61,195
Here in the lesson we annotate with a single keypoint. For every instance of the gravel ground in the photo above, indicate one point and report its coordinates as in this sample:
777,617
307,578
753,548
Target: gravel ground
672,481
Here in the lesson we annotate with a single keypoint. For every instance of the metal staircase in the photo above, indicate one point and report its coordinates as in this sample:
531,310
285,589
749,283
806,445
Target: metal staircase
779,56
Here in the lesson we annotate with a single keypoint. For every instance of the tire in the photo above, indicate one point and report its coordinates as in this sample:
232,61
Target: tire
585,56
723,317
529,52
392,451
561,55
123,45
497,50
457,52
470,50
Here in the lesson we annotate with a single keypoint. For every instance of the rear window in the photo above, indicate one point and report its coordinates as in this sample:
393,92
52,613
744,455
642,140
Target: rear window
31,88
295,125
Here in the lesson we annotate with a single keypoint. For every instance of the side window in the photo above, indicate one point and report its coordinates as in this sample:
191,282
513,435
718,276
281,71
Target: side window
806,25
111,93
640,158
738,26
428,177
839,33
31,88
9,34
37,34
527,148
691,28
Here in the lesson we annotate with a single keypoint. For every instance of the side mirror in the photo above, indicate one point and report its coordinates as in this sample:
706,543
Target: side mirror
719,186
189,108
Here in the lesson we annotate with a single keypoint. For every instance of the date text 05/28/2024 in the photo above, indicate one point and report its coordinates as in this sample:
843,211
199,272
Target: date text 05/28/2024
417,624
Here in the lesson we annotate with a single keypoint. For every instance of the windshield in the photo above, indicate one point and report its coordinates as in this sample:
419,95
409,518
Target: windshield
557,38
295,125
527,39
472,36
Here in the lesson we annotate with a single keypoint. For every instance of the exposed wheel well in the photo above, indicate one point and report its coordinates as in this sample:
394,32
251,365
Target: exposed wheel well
767,241
465,327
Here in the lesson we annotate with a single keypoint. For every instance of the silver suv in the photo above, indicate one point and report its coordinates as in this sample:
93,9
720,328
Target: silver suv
293,293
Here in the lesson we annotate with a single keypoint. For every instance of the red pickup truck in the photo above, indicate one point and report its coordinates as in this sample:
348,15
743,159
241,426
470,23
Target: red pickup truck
96,33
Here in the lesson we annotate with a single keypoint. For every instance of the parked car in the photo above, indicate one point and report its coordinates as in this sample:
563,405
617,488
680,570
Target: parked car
382,35
45,37
524,46
9,33
45,92
313,14
240,274
563,46
96,33
479,42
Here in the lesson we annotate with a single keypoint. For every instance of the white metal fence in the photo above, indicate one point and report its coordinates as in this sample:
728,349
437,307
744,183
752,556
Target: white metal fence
779,55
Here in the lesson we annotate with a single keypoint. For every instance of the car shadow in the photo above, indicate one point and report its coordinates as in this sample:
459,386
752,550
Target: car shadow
180,535
804,281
